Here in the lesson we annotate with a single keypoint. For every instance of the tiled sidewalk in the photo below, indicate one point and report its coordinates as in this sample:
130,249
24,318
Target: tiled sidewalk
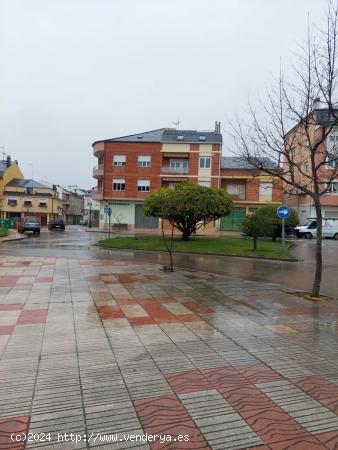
98,348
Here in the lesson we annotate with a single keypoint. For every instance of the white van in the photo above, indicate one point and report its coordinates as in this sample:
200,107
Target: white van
309,229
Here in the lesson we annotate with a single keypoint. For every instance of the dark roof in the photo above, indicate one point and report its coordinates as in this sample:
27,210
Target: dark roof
236,162
170,135
26,183
210,137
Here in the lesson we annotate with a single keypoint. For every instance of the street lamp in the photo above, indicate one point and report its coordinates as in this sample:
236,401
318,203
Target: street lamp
90,215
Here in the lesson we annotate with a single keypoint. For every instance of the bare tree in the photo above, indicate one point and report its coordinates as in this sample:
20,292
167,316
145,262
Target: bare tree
288,136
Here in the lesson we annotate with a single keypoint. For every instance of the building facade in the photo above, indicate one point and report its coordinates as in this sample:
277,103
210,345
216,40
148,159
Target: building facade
8,171
326,160
130,167
25,197
71,206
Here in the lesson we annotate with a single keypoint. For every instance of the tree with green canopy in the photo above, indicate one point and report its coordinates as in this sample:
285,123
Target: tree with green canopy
188,206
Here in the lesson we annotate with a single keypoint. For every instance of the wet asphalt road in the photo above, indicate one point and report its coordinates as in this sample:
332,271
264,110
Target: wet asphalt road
76,242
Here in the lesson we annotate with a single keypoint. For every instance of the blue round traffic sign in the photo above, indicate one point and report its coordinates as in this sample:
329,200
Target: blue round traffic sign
283,212
107,210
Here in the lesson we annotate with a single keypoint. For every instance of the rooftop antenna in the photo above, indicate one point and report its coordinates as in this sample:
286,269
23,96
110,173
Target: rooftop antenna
177,124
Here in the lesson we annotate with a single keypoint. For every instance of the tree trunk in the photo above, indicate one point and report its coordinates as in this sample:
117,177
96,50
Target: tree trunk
169,247
255,243
319,257
185,235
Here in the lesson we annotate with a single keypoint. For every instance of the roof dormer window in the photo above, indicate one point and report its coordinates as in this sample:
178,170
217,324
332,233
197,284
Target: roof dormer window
180,137
202,138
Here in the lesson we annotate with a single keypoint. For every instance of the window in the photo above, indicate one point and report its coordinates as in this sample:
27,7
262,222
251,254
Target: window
27,201
43,202
12,201
143,185
144,161
119,185
204,183
119,160
180,138
178,163
202,138
265,189
332,187
306,167
332,150
205,162
236,190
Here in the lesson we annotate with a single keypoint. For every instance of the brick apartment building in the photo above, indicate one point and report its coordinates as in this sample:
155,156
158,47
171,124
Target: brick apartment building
130,167
327,153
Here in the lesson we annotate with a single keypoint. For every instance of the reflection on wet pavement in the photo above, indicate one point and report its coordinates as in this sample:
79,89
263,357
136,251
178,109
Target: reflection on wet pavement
118,346
76,242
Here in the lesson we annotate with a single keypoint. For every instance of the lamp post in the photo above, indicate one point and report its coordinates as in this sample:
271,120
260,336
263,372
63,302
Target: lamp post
90,215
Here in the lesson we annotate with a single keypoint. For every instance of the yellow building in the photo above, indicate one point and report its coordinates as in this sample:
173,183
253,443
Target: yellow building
22,197
8,171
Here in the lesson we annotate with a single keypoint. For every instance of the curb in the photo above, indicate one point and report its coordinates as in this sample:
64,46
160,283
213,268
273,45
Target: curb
14,238
200,253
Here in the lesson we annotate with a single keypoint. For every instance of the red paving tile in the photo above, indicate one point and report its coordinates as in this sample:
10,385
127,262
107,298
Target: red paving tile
329,439
318,387
11,307
8,280
261,447
6,330
223,377
274,425
32,317
332,404
258,373
110,312
167,416
158,312
189,381
125,279
136,321
11,425
246,398
303,443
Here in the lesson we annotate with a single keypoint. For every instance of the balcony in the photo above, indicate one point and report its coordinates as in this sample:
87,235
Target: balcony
175,170
98,149
98,171
97,194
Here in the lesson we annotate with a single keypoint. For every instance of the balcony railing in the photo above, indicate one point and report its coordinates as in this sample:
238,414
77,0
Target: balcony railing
168,169
98,171
97,194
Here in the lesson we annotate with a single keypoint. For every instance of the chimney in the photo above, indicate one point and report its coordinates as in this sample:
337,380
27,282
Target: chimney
8,161
316,104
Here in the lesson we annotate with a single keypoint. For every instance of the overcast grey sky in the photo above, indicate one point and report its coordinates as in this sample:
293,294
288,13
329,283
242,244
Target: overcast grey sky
76,71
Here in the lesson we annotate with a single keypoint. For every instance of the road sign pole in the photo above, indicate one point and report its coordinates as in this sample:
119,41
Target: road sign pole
283,235
109,226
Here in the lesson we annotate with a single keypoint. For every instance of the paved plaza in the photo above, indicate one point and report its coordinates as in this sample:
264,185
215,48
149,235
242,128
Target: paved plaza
117,354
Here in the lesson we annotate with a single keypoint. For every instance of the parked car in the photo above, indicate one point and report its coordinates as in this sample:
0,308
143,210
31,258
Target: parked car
56,224
29,224
83,222
309,229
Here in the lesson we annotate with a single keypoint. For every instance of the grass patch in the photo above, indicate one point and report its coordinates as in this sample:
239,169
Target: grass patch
236,246
3,232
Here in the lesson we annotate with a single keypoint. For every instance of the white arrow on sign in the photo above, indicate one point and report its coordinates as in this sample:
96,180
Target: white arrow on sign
284,212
